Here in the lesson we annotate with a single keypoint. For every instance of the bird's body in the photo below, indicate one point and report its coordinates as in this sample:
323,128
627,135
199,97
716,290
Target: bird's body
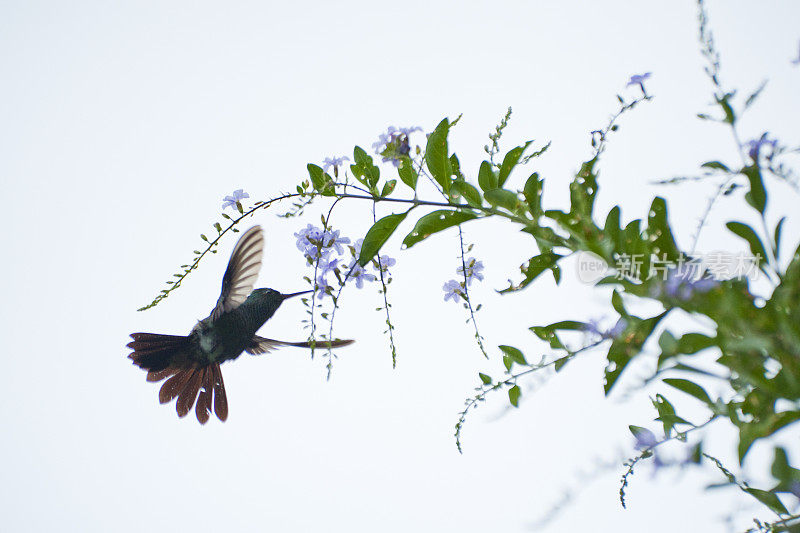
192,362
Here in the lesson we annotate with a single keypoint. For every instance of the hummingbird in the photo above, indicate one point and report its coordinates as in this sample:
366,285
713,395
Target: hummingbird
191,364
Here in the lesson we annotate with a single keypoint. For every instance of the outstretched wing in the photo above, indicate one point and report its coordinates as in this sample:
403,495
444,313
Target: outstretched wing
261,345
242,271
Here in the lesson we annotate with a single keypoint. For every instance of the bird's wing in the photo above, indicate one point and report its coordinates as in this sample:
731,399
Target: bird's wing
261,345
242,271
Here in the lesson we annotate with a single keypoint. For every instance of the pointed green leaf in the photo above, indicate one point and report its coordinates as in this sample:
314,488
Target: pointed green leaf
407,173
436,155
468,191
503,198
486,380
747,233
757,195
691,388
514,354
434,222
487,179
513,395
769,499
377,236
509,162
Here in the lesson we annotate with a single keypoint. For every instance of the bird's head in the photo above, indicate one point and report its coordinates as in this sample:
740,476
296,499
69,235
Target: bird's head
271,296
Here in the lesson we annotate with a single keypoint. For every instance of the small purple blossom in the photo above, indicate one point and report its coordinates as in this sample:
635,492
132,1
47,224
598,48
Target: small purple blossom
593,328
754,147
384,263
326,266
358,273
452,289
474,269
394,144
638,79
322,287
683,282
332,239
237,196
334,162
796,61
645,439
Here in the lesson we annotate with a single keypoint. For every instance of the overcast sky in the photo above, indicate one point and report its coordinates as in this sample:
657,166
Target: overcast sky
122,126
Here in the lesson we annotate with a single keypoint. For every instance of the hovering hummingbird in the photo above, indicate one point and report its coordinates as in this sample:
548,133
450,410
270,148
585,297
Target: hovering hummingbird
192,362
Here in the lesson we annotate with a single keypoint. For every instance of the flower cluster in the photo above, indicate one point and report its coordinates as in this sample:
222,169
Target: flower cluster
234,200
394,144
454,289
321,249
754,147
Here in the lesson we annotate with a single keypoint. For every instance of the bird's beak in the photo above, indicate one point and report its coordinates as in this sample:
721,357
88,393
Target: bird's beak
287,296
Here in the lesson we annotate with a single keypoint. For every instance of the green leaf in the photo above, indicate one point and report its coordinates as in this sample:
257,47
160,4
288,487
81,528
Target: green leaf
691,388
624,348
535,266
434,222
663,243
715,165
436,155
616,303
747,233
769,499
757,195
485,379
533,194
377,236
513,395
514,354
730,116
509,162
388,187
407,173
317,176
778,230
502,198
487,179
691,343
468,191
363,169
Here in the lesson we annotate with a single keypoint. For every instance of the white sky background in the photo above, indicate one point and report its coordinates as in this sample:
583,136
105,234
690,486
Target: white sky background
123,126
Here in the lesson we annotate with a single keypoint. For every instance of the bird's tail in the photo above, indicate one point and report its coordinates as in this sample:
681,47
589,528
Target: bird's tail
155,352
165,356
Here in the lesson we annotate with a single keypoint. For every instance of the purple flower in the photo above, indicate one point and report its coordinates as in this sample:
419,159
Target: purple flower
237,196
383,264
474,269
332,239
796,62
323,287
334,162
683,282
638,79
593,328
645,439
358,273
452,289
326,266
754,146
394,143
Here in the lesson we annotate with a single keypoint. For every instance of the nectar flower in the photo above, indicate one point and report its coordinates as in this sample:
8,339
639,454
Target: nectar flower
394,143
638,79
682,283
383,264
452,289
593,328
334,162
358,273
754,146
474,269
237,196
